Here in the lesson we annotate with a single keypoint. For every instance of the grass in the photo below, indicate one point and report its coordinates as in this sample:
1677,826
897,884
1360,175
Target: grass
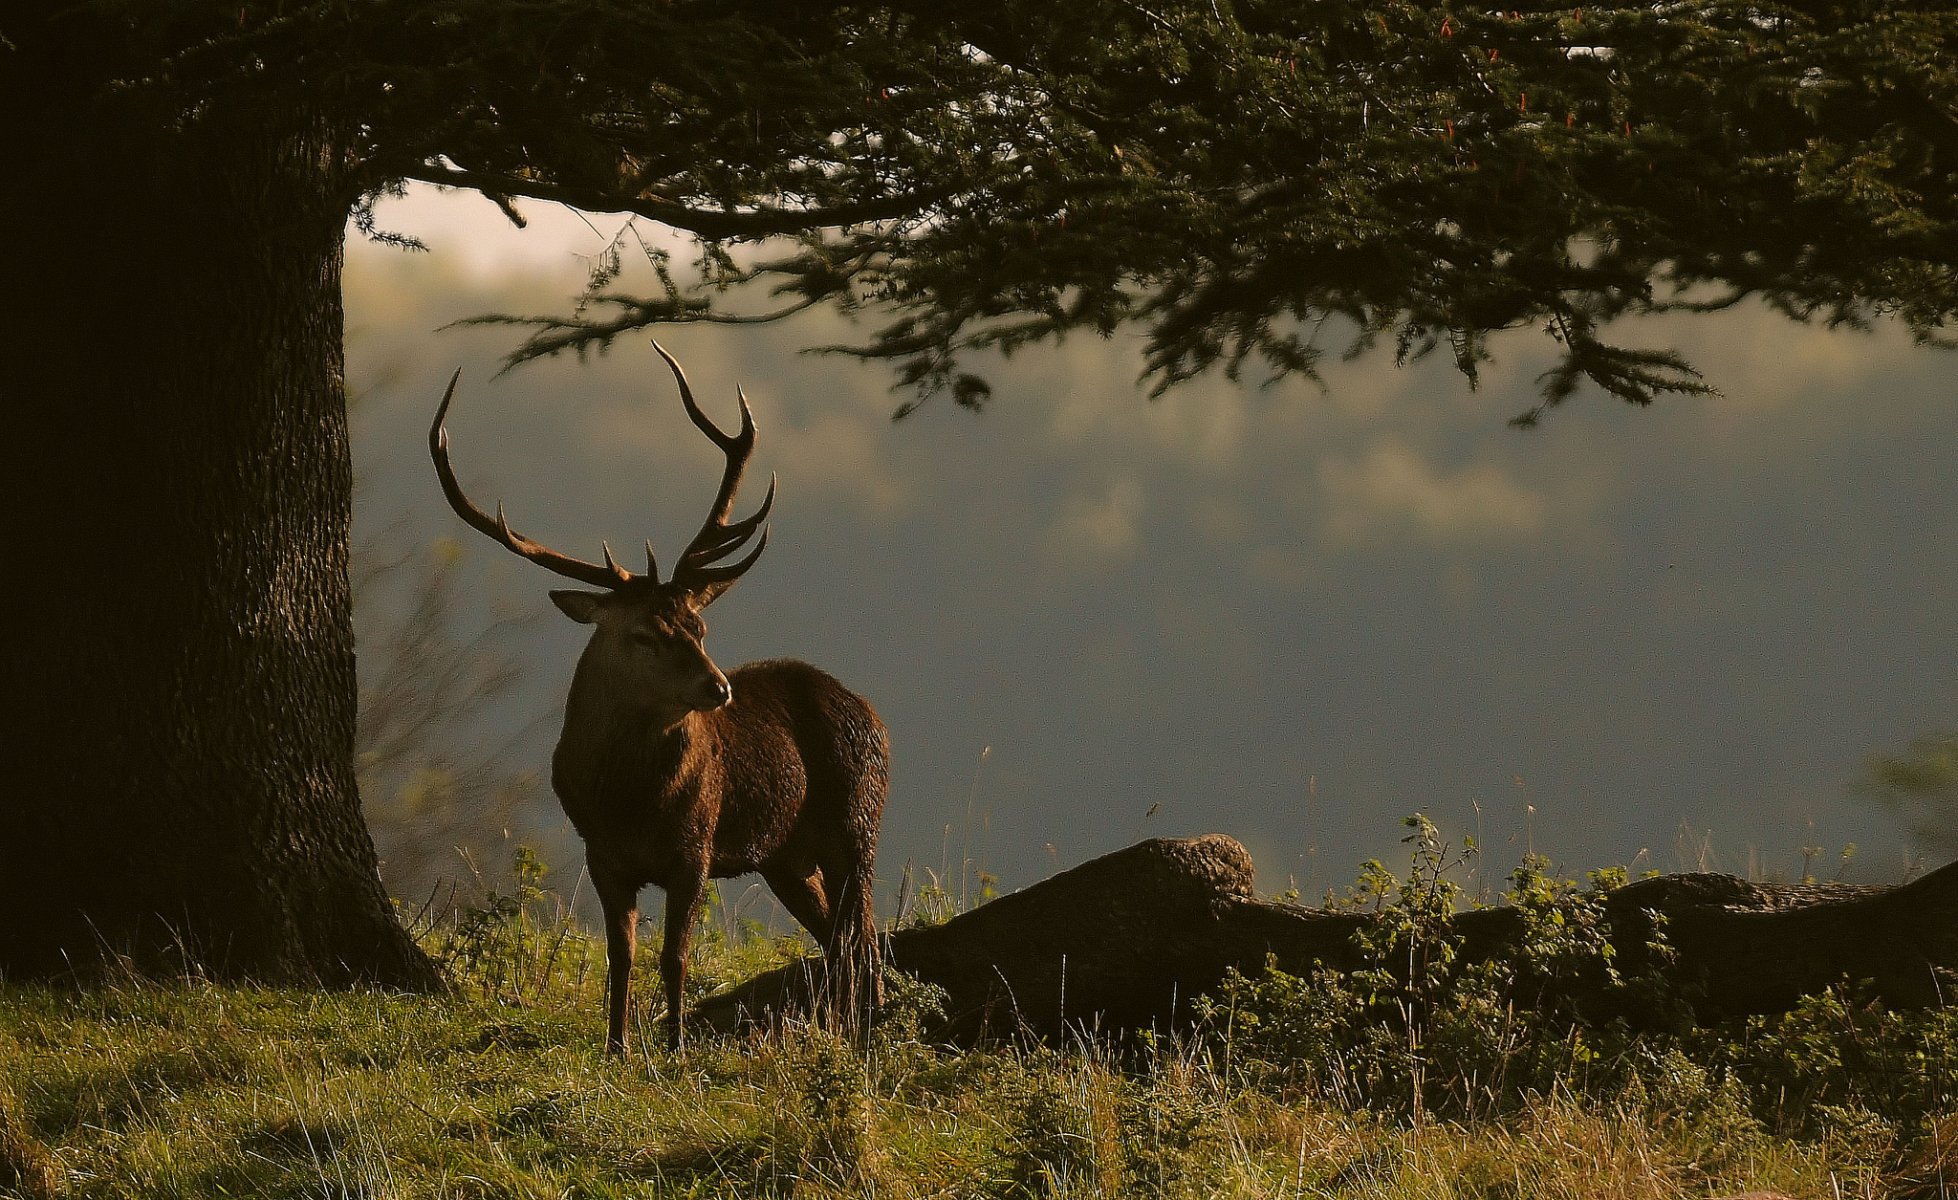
190,1089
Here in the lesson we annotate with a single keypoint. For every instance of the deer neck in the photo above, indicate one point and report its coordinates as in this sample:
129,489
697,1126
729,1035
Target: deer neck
616,742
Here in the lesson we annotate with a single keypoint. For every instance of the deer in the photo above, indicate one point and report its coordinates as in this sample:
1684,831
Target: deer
675,773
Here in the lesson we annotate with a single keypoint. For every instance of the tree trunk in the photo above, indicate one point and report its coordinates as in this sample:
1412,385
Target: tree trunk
181,789
1126,941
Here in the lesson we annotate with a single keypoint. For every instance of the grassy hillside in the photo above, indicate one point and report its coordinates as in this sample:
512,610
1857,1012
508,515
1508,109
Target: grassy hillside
1393,1086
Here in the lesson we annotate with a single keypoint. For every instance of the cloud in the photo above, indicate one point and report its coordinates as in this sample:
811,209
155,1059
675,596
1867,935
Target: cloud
1100,525
474,237
1763,363
843,455
1201,426
818,430
1392,491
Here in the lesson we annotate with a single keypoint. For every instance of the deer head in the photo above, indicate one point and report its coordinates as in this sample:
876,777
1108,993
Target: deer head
647,641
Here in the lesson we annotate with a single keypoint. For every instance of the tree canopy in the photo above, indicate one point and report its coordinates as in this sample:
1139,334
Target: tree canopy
1232,177
1227,176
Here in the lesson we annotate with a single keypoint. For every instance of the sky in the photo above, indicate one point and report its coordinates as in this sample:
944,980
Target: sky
1666,637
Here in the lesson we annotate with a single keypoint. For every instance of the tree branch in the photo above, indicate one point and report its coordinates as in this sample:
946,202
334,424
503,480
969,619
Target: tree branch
712,224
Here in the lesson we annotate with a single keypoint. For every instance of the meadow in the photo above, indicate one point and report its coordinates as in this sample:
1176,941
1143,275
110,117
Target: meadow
1411,1079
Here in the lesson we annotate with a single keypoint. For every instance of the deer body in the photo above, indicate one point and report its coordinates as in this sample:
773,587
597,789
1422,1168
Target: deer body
674,774
773,776
787,780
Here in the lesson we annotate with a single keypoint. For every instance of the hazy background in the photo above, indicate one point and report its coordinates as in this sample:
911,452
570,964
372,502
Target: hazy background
1667,636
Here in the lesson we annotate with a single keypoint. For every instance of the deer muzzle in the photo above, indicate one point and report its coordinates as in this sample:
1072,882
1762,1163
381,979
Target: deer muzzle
711,693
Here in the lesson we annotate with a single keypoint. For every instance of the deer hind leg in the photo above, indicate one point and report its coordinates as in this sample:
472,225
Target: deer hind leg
855,979
805,897
683,898
621,905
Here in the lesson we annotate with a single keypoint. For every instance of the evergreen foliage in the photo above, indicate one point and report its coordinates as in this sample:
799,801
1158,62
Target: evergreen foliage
1228,176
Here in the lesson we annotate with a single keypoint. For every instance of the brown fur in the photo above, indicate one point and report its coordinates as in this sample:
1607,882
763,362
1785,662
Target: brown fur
786,779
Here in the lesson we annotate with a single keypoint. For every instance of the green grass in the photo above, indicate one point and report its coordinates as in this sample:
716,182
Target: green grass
190,1089
195,1090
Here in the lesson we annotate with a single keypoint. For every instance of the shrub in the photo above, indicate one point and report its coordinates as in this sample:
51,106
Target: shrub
1419,1027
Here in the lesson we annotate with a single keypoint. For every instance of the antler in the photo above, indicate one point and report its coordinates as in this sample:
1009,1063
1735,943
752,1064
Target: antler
697,570
610,575
718,537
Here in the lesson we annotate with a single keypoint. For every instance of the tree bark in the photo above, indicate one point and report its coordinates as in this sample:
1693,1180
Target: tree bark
181,791
1125,942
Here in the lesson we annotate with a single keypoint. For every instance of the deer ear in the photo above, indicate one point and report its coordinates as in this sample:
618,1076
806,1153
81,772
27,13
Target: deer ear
581,607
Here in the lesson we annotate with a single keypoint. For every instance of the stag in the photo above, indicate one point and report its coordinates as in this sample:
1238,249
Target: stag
675,773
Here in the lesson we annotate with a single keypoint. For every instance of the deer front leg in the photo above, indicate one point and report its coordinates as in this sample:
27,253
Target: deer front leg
621,905
683,897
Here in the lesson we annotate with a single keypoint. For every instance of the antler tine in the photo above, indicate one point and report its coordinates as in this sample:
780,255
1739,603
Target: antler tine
698,577
737,447
742,441
727,537
611,575
718,537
